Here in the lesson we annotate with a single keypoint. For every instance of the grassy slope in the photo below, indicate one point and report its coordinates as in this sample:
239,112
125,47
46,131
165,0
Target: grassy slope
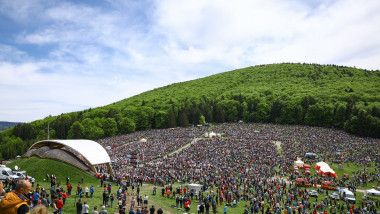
38,168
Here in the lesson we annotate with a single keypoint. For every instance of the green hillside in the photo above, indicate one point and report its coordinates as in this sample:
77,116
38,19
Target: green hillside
310,94
38,168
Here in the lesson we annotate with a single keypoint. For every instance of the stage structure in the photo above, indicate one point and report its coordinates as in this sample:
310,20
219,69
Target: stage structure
83,154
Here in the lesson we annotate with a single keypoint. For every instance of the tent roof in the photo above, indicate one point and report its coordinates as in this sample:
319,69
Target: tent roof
195,185
92,151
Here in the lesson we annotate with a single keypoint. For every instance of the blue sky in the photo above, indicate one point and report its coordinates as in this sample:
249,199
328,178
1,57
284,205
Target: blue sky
64,56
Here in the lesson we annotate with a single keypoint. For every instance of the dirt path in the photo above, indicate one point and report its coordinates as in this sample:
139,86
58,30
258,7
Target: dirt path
178,150
183,147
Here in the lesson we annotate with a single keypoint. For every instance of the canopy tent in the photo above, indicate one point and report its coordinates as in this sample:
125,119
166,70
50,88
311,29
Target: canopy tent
143,140
212,135
324,168
298,163
196,188
372,192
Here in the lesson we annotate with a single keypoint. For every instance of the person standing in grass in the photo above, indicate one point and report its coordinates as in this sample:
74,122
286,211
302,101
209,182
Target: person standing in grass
64,196
79,206
36,197
103,211
53,206
160,211
225,209
86,208
132,203
104,197
86,190
44,201
109,188
154,190
112,197
69,188
152,209
146,200
92,191
60,205
95,211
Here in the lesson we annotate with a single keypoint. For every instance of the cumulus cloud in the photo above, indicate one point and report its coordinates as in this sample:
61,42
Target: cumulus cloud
63,56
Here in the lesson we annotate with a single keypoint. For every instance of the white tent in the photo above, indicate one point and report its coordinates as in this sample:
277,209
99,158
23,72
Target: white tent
211,135
196,188
324,168
143,140
372,192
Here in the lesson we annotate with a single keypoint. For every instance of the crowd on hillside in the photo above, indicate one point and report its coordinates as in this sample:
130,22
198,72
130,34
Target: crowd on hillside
241,149
243,161
149,145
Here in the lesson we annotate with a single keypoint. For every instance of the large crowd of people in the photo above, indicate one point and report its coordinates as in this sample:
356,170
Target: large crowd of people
244,160
149,145
250,163
241,149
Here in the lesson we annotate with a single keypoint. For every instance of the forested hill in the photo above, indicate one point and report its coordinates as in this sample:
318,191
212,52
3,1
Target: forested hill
5,125
317,95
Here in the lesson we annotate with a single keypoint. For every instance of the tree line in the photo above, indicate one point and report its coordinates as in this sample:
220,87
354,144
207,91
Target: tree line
315,95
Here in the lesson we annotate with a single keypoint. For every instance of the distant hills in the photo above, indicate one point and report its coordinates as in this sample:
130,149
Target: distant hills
288,93
5,125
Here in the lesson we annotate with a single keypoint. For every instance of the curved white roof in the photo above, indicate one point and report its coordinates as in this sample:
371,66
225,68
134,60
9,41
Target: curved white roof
92,151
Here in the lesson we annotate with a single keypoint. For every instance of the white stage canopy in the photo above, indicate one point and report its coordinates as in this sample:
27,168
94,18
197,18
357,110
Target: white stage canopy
90,150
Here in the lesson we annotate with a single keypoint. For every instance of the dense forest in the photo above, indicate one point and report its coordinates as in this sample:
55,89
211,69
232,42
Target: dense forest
310,94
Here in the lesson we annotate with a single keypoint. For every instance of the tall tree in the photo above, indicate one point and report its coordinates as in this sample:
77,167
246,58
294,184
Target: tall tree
110,127
61,126
76,131
170,119
127,125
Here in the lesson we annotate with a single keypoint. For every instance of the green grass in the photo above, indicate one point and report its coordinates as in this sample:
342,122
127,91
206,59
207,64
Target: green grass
38,168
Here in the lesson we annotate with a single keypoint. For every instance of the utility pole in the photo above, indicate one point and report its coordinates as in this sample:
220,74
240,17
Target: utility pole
48,131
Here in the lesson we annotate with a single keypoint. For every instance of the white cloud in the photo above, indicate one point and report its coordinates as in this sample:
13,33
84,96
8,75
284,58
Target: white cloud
270,31
67,56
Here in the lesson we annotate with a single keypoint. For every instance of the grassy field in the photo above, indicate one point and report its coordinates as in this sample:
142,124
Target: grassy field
38,168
